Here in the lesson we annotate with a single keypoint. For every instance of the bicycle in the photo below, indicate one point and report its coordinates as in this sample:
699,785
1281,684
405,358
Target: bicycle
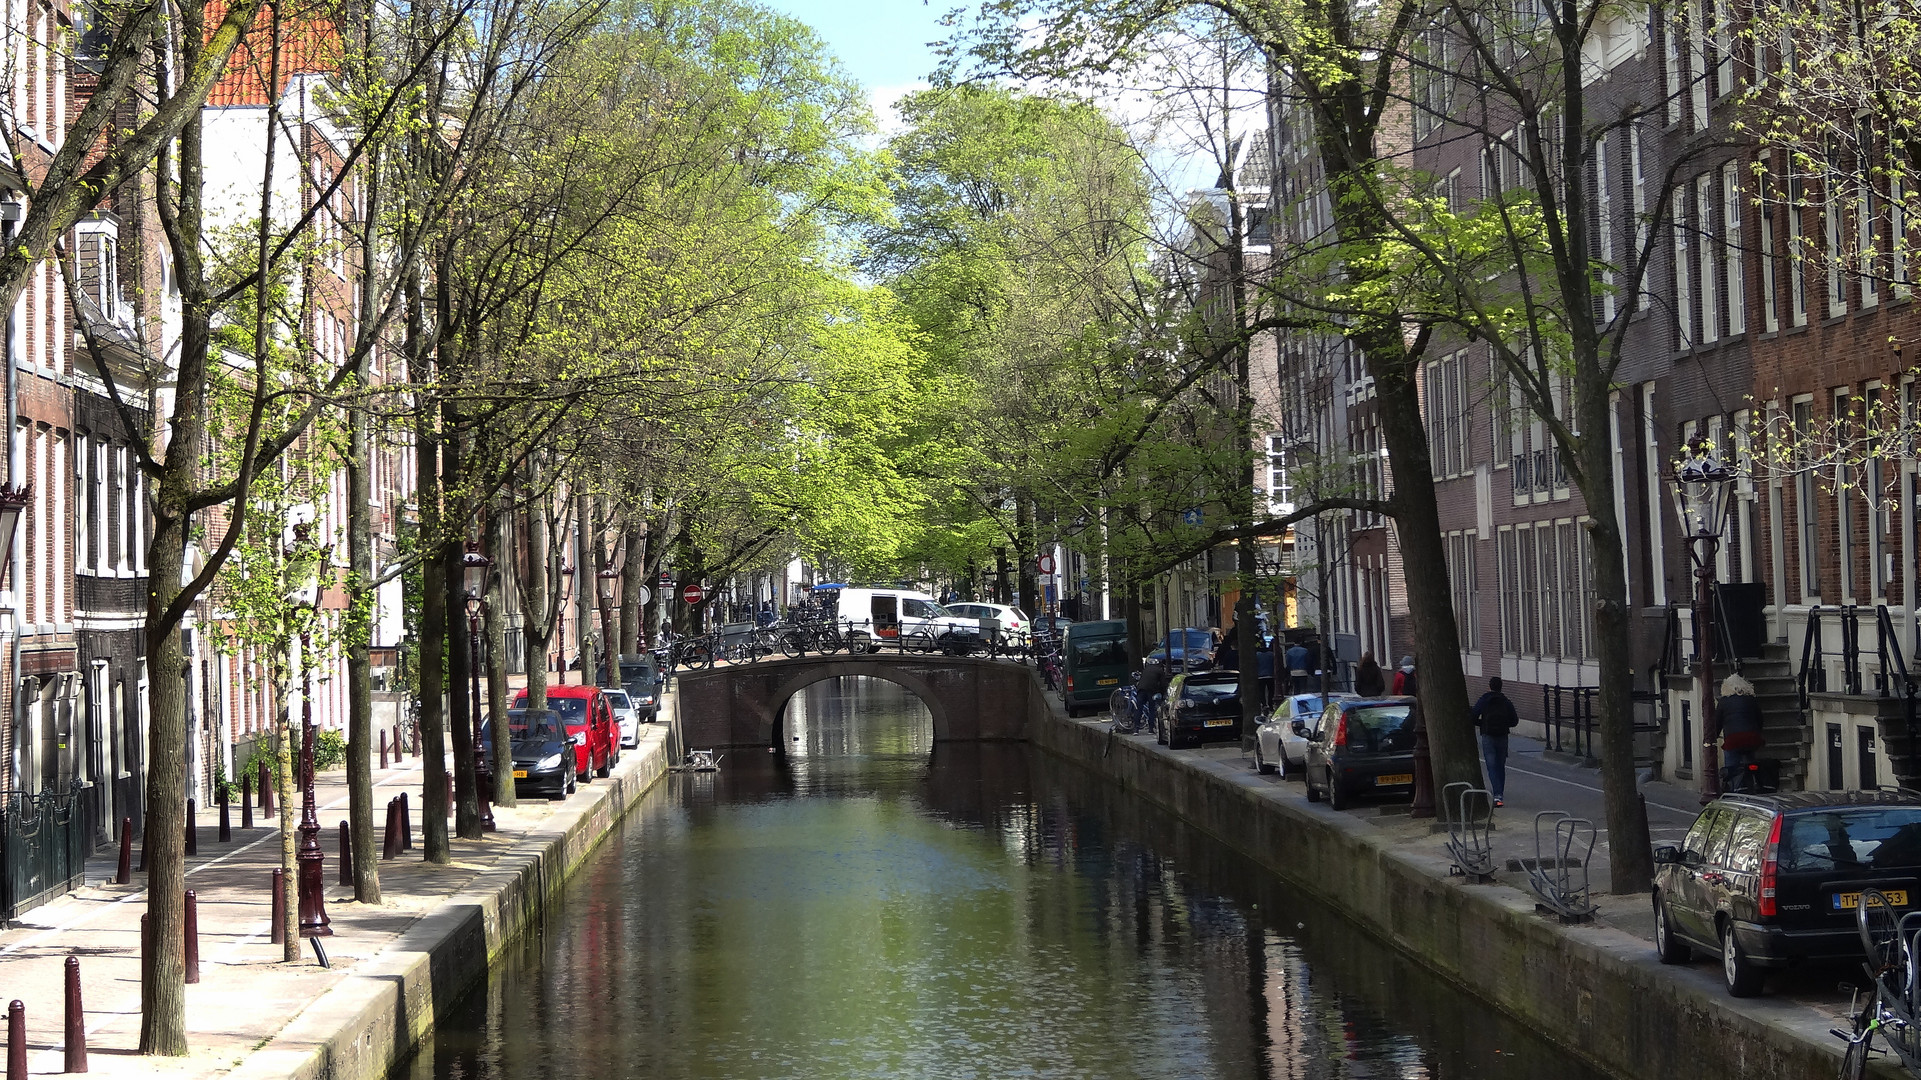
1893,965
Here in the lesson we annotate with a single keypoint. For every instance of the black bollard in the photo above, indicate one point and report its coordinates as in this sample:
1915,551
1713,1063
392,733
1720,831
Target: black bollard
192,929
383,748
17,1041
266,791
246,800
193,828
226,819
390,842
125,874
278,932
142,867
406,823
346,855
76,1020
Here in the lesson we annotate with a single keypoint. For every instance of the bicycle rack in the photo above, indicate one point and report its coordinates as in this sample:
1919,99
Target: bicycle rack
1556,875
1469,831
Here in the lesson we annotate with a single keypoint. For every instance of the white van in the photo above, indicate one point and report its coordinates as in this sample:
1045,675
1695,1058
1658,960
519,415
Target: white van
887,614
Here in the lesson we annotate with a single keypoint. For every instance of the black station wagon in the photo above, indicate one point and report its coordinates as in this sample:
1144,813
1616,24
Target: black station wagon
1768,881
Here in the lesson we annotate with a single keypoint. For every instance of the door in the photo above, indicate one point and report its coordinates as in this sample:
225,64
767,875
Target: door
885,611
1837,780
1688,891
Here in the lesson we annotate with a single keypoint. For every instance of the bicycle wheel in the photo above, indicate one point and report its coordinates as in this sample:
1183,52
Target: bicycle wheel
793,643
828,642
1875,918
700,654
1854,1062
919,641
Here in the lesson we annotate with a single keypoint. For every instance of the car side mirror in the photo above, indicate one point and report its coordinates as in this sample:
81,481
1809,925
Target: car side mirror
1300,728
576,740
1667,855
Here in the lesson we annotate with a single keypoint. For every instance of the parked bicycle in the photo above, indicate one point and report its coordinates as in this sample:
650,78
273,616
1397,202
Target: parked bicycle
1894,967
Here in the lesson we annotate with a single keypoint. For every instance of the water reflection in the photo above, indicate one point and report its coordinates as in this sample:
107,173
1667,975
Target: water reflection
869,905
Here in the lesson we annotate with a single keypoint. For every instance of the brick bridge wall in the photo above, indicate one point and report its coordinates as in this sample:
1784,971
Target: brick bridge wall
971,699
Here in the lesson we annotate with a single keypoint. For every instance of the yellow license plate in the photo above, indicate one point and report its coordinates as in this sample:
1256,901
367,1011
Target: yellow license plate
1848,901
1391,779
1107,682
1225,721
520,774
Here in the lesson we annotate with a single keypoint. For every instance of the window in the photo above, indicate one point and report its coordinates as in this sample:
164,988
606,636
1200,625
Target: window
1704,224
1446,400
1797,254
1875,486
1604,227
1843,497
1280,490
1866,214
1638,194
1898,231
1770,312
1731,249
1831,221
1698,65
1464,587
1806,508
1509,555
1683,295
1671,43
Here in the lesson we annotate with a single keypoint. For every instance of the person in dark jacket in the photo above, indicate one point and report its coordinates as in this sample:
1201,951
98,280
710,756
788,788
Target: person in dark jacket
1740,717
1494,715
1406,682
1227,654
1368,679
1299,663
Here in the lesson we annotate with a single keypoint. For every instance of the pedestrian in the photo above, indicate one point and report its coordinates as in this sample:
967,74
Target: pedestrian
1494,715
1264,670
1299,660
1406,682
1741,736
1227,654
1368,679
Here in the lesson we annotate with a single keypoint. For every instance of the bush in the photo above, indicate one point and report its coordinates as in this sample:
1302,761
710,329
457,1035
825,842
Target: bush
329,749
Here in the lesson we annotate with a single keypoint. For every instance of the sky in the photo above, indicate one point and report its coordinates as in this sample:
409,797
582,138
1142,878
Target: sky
881,43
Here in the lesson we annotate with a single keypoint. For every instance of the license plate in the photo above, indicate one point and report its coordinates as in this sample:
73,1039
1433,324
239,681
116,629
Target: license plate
1390,779
1225,721
520,774
1107,682
1848,901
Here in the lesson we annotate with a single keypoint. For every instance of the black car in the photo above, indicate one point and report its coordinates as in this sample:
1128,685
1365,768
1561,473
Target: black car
543,753
1364,746
1767,881
1200,706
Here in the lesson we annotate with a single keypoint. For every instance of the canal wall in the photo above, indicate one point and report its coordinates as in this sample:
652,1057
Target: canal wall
1596,991
370,1023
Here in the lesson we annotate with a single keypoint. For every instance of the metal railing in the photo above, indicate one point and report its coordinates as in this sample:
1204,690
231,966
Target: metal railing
1568,713
44,842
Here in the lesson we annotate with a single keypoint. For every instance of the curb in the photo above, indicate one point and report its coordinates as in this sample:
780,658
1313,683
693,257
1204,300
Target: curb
372,1021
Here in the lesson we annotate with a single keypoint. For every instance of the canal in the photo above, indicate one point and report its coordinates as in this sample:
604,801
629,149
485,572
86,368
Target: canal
870,906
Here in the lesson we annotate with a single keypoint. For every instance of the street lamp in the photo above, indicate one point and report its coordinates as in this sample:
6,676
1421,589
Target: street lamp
560,616
309,860
1702,485
474,567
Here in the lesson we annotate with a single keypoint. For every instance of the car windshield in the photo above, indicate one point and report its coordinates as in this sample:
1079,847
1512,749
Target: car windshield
1867,837
544,726
618,699
1100,652
1210,690
1381,729
1308,705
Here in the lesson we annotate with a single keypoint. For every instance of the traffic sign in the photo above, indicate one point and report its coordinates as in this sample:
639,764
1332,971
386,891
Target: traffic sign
1047,564
692,593
642,594
666,579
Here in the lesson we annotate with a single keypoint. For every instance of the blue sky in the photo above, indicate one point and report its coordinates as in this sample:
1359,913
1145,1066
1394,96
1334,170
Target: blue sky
883,43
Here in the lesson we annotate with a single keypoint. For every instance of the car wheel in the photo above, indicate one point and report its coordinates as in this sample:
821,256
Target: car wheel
606,766
1160,732
1742,977
1261,764
1307,779
1666,945
1337,796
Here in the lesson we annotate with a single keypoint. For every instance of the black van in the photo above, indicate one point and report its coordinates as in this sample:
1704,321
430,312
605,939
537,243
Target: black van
1766,881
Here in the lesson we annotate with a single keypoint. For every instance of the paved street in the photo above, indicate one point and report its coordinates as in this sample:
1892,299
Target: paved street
246,994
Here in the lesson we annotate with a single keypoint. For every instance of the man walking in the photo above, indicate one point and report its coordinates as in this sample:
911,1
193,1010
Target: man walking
1299,677
1494,715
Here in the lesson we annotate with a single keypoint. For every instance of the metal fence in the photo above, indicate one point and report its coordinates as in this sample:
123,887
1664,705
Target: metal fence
44,842
1572,727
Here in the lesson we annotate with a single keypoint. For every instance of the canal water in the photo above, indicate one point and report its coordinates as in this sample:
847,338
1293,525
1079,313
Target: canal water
869,905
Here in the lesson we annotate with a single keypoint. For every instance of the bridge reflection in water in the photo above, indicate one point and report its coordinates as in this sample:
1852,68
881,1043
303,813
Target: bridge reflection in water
873,904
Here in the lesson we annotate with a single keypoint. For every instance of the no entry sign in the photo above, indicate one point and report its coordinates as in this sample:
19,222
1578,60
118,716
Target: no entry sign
692,594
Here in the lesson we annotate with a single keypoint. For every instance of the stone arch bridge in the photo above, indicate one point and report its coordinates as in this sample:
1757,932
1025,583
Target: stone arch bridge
971,699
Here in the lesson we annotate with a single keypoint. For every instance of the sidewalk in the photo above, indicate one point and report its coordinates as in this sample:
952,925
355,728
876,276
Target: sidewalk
247,994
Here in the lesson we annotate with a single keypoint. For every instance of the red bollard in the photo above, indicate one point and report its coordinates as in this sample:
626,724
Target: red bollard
193,937
383,748
125,874
246,800
193,828
266,791
390,847
17,1041
346,855
406,823
226,819
278,932
76,1020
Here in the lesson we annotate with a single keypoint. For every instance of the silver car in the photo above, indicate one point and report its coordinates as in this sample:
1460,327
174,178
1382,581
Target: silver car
1280,744
626,716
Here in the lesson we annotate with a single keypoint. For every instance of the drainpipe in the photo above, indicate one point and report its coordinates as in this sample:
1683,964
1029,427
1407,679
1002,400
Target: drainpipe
10,214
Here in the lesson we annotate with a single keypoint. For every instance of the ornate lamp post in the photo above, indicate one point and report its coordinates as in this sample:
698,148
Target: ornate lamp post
309,859
1702,484
473,568
560,617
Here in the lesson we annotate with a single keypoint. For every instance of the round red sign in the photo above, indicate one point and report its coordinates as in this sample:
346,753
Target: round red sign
692,594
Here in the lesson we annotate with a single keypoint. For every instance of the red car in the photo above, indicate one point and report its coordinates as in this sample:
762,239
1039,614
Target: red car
586,712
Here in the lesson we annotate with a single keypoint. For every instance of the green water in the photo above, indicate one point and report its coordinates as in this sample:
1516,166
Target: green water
867,906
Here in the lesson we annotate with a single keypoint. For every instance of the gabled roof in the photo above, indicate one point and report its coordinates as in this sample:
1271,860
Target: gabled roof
307,47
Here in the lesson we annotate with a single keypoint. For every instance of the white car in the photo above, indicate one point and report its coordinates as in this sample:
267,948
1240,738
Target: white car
1280,743
626,716
1013,621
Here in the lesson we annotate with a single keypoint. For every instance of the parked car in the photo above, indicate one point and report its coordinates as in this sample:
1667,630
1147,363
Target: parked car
1052,624
586,713
1280,744
877,617
1200,706
1769,881
641,677
626,717
1093,664
1363,746
1012,620
540,745
1193,650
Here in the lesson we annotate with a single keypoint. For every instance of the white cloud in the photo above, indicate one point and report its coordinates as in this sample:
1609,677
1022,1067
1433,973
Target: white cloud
885,101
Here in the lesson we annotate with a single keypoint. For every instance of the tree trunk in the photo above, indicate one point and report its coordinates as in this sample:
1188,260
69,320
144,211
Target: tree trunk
163,1002
433,647
633,577
536,601
284,754
1247,641
1025,552
360,691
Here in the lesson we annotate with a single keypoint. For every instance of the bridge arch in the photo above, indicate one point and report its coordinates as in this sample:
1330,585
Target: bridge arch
969,698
